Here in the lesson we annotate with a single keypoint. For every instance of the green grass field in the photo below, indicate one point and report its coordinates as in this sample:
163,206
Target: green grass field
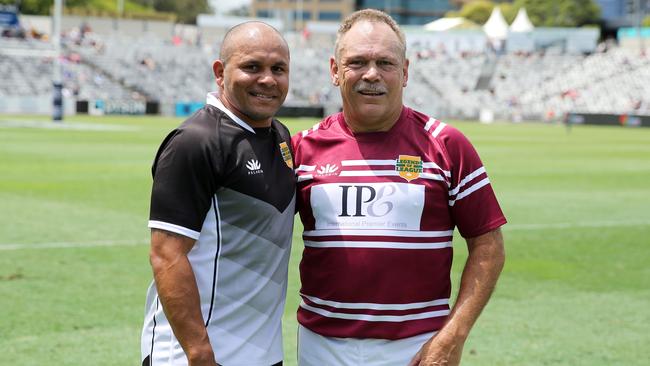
575,289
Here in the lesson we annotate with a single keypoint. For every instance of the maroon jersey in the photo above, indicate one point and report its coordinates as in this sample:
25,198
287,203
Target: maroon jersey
379,210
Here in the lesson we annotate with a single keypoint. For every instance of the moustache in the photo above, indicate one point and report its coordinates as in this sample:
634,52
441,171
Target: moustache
363,86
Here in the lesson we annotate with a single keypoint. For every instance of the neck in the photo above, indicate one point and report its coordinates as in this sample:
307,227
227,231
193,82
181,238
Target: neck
361,124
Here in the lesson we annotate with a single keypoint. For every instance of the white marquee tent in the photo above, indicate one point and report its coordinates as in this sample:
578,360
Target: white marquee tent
522,23
445,24
496,27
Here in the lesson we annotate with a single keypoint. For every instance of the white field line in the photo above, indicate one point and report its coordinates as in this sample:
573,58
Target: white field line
507,227
65,245
65,126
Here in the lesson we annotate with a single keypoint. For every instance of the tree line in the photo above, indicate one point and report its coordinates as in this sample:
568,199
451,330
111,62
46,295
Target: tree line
182,11
542,13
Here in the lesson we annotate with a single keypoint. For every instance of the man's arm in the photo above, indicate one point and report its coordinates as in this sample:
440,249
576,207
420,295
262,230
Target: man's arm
179,294
482,269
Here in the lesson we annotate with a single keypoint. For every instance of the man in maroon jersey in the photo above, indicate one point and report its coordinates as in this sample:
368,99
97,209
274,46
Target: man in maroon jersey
381,188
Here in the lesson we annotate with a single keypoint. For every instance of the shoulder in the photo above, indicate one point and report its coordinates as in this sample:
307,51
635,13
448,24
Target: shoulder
316,130
197,133
281,128
441,133
454,141
430,129
203,122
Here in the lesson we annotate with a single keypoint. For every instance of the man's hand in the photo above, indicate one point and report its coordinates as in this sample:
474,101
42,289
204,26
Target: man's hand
439,351
201,357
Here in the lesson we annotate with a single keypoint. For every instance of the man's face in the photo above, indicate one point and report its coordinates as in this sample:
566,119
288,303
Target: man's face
371,71
254,81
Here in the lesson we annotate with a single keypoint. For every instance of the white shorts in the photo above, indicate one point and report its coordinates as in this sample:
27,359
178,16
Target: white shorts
317,350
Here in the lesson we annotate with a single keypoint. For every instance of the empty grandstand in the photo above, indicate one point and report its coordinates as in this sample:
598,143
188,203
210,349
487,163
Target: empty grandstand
544,84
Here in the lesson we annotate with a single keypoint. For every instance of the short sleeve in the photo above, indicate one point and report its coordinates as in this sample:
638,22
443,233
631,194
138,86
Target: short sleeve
472,202
184,182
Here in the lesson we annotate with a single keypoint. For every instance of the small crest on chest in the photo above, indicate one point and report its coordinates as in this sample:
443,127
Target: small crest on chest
286,154
409,167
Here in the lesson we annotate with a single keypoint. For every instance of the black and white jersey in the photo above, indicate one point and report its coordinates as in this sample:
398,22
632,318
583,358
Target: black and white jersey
232,189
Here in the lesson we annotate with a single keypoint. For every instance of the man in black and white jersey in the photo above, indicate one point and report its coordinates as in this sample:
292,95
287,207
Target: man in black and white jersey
221,218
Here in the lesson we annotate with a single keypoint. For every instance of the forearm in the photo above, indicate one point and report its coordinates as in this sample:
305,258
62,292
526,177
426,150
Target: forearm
480,275
482,269
179,297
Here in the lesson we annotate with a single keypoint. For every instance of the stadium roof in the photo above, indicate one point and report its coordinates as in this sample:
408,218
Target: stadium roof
445,24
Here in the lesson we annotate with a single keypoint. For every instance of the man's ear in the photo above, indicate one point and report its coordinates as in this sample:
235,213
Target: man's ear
218,68
406,72
334,71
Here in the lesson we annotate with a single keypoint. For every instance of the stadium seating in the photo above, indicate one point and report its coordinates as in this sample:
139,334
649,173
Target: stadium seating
511,86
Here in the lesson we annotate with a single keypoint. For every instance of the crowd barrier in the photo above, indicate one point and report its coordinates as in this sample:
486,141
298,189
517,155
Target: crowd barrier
180,109
129,107
627,120
34,105
184,109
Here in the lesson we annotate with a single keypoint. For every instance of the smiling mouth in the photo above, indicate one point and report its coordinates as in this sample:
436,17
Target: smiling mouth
371,93
262,96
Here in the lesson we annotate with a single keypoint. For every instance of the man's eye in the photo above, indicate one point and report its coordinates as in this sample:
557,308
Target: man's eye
251,68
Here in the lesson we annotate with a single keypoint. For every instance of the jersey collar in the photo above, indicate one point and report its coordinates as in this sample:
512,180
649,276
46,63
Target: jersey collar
213,100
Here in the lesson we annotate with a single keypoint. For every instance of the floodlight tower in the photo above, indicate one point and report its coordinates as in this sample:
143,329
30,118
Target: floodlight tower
300,25
640,12
57,80
120,12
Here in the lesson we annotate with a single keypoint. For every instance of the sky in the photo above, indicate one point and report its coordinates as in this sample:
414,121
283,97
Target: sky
225,5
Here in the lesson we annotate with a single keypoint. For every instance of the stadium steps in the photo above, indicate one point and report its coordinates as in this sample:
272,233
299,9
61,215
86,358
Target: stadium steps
487,71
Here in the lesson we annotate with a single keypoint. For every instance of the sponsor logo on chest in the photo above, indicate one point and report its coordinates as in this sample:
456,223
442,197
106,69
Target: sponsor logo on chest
367,205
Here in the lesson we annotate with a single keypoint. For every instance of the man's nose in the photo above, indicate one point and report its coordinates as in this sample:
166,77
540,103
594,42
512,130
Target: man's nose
372,73
267,78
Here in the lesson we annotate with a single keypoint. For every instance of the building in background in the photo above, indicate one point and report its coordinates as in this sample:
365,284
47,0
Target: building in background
296,13
411,12
623,13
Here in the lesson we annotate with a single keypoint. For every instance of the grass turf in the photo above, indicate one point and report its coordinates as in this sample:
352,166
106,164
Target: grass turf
575,289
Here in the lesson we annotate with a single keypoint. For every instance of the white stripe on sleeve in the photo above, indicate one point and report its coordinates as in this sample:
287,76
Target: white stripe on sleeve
468,178
430,122
470,190
153,224
436,132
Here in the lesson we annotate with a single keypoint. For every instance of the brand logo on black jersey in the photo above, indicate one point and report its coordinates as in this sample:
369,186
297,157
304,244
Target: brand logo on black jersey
254,167
327,169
